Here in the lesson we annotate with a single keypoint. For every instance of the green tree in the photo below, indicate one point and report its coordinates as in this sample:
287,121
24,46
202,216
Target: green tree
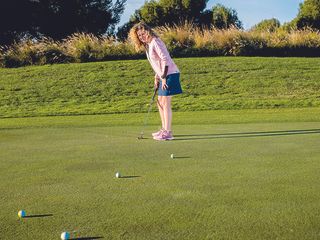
223,17
166,12
267,25
151,13
57,18
183,10
309,14
289,26
16,22
90,16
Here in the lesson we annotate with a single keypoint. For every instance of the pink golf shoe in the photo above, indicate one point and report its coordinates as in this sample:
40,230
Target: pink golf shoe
164,136
157,133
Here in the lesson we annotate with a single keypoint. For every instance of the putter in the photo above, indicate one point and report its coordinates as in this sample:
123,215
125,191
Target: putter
147,116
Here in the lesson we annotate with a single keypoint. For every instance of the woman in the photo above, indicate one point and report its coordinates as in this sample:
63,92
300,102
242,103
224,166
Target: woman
167,76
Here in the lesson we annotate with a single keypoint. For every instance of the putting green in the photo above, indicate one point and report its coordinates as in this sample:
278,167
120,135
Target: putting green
227,181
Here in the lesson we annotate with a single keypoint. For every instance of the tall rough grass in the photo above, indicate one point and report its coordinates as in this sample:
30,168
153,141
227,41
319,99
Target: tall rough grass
29,52
87,47
179,39
184,40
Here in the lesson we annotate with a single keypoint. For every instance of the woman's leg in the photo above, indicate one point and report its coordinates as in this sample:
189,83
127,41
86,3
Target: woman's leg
160,107
167,112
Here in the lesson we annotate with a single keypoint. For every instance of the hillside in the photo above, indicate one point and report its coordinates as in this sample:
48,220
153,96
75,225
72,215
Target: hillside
126,86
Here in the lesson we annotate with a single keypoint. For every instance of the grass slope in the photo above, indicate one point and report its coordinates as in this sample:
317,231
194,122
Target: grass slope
126,86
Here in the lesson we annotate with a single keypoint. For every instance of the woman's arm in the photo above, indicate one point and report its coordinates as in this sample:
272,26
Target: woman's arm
165,72
164,56
156,81
164,78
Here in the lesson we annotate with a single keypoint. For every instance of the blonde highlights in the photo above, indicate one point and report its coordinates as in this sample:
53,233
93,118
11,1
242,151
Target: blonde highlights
133,36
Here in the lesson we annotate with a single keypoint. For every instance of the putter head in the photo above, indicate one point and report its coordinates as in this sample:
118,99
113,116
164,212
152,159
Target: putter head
140,137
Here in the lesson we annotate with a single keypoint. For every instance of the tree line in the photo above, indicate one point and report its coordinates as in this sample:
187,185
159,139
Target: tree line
58,19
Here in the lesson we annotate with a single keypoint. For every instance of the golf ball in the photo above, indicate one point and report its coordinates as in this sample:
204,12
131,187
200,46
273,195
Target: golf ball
65,236
118,175
21,213
171,155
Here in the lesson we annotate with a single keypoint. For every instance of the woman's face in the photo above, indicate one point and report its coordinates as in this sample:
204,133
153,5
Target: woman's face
142,35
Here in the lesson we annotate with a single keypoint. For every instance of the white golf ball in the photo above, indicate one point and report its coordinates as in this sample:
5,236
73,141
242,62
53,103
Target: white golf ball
22,213
65,236
171,155
118,175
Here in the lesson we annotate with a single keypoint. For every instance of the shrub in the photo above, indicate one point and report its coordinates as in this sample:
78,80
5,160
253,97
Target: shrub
83,47
34,52
112,49
182,41
177,38
246,44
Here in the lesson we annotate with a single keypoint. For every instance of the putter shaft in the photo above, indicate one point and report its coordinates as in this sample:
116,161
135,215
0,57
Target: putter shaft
147,116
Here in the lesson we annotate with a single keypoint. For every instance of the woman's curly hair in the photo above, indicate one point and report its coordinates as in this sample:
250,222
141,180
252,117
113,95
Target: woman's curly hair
133,36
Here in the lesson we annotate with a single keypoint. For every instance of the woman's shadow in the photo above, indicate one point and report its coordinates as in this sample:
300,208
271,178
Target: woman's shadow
246,134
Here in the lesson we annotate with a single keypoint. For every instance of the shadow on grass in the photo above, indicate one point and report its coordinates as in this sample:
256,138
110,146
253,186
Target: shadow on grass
130,177
85,238
39,216
181,157
143,138
246,134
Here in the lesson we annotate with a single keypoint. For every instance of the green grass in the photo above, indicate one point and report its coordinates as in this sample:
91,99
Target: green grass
247,164
181,118
126,86
245,174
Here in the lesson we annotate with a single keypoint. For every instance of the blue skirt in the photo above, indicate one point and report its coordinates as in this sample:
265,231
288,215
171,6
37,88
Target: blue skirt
174,86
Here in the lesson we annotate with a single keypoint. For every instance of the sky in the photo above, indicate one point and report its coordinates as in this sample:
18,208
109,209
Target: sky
250,12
